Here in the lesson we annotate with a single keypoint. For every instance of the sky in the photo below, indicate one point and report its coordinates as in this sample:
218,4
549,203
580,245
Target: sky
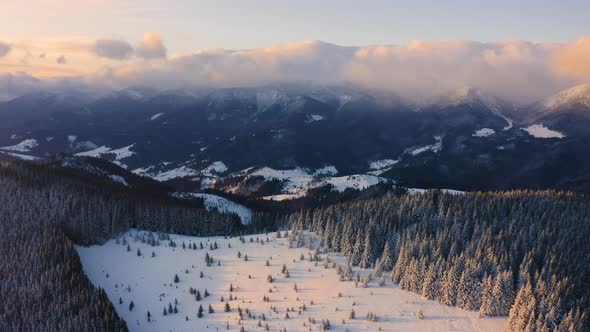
245,42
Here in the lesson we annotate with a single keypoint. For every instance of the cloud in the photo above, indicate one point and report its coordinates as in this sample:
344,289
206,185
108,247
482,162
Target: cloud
4,49
113,49
151,46
61,60
518,71
418,69
574,59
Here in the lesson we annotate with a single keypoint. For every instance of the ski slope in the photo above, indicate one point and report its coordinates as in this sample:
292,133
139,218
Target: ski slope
149,282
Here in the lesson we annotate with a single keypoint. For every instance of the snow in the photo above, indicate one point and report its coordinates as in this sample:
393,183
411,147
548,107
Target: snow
379,167
123,153
180,172
313,118
436,147
578,94
155,116
298,181
20,156
358,181
119,179
120,154
540,131
215,168
221,204
96,153
49,139
151,288
381,164
484,132
24,146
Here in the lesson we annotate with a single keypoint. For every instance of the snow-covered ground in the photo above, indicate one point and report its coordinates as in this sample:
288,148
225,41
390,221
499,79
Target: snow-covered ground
436,147
24,146
221,204
19,155
180,172
120,154
148,281
214,169
379,167
156,116
298,181
484,132
540,131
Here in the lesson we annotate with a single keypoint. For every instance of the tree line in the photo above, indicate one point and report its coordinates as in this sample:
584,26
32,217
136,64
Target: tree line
43,212
521,254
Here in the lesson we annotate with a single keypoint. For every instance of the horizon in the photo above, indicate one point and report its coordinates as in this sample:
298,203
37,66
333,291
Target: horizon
417,49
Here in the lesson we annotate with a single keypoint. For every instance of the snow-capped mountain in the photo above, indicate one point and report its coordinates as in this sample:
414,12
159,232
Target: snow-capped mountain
176,136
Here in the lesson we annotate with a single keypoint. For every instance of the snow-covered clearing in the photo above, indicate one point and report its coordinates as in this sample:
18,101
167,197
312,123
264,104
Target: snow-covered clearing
484,132
436,147
313,118
215,168
119,179
180,172
148,281
540,131
298,181
20,156
155,116
24,146
214,202
120,154
379,167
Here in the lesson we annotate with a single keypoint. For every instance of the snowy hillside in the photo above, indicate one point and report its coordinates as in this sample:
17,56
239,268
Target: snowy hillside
214,202
172,282
298,181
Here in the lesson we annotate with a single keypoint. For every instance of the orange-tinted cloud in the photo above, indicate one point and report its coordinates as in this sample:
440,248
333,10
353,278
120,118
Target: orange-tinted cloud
151,46
574,59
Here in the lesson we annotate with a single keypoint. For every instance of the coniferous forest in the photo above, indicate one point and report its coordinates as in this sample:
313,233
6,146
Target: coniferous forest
43,210
522,254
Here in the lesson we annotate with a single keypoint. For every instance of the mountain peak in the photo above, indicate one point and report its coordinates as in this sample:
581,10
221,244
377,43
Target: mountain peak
579,94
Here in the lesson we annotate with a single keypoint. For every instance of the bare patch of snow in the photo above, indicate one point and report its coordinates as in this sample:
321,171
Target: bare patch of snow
221,204
381,164
313,118
180,172
96,153
119,179
436,147
214,169
156,116
123,153
484,132
20,156
540,131
24,146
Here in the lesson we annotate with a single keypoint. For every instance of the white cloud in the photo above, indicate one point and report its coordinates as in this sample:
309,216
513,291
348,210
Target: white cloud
113,49
151,46
515,70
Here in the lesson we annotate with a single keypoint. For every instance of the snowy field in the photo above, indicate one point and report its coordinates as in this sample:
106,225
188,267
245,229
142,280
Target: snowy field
297,300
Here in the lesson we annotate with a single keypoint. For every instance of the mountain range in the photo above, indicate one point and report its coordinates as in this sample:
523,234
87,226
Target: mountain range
280,141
